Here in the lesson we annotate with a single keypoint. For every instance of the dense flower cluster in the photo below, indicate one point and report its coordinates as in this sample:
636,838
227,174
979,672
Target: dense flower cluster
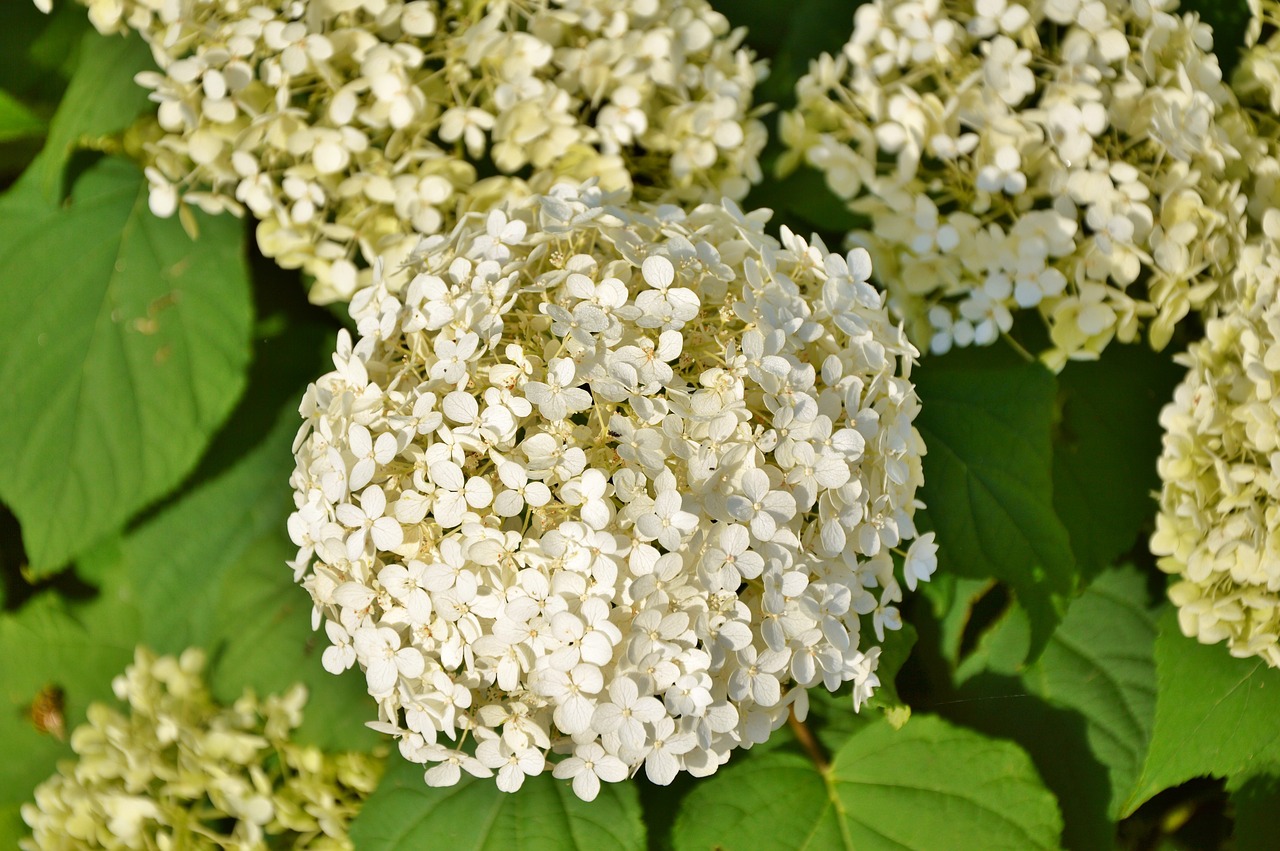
180,771
350,128
1077,157
1218,528
610,483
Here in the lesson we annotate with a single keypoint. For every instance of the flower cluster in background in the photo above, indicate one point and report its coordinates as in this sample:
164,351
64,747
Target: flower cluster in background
1218,528
1075,157
179,771
350,129
612,482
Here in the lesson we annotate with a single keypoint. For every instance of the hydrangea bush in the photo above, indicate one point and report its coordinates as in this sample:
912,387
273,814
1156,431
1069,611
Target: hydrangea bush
176,770
608,507
351,129
1075,158
613,482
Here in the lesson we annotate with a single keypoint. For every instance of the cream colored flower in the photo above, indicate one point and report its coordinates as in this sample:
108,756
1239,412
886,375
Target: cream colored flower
1081,158
352,129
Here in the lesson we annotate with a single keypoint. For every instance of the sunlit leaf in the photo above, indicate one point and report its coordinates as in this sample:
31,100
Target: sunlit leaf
126,346
544,815
929,785
1215,715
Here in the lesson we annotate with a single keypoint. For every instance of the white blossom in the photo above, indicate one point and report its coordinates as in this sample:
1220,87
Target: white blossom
1081,158
1218,529
619,526
352,129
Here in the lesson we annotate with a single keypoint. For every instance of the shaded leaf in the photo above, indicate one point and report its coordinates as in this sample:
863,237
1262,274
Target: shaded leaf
262,638
1101,663
986,418
544,815
894,652
1215,715
40,50
16,121
125,350
182,554
1257,809
100,99
1105,449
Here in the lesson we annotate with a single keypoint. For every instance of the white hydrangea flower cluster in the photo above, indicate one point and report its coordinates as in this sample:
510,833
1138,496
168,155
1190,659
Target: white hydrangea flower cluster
350,128
1218,528
179,771
1067,156
609,487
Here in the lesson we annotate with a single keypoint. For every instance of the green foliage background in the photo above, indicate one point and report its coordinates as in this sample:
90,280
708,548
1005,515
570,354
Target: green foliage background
151,384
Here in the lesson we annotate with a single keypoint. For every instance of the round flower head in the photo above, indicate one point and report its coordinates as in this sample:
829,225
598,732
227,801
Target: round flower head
351,128
179,771
1066,156
609,483
1218,528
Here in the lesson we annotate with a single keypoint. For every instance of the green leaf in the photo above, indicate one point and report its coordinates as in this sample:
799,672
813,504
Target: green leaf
1001,648
1105,448
16,121
52,645
1101,663
262,638
101,99
1083,711
1215,715
929,785
125,349
986,419
1257,805
183,553
544,815
241,493
40,50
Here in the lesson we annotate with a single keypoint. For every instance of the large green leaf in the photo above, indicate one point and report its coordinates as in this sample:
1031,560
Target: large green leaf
544,815
986,419
126,346
1215,715
929,785
101,99
40,51
50,646
182,554
239,495
1105,448
1101,663
262,638
1083,711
